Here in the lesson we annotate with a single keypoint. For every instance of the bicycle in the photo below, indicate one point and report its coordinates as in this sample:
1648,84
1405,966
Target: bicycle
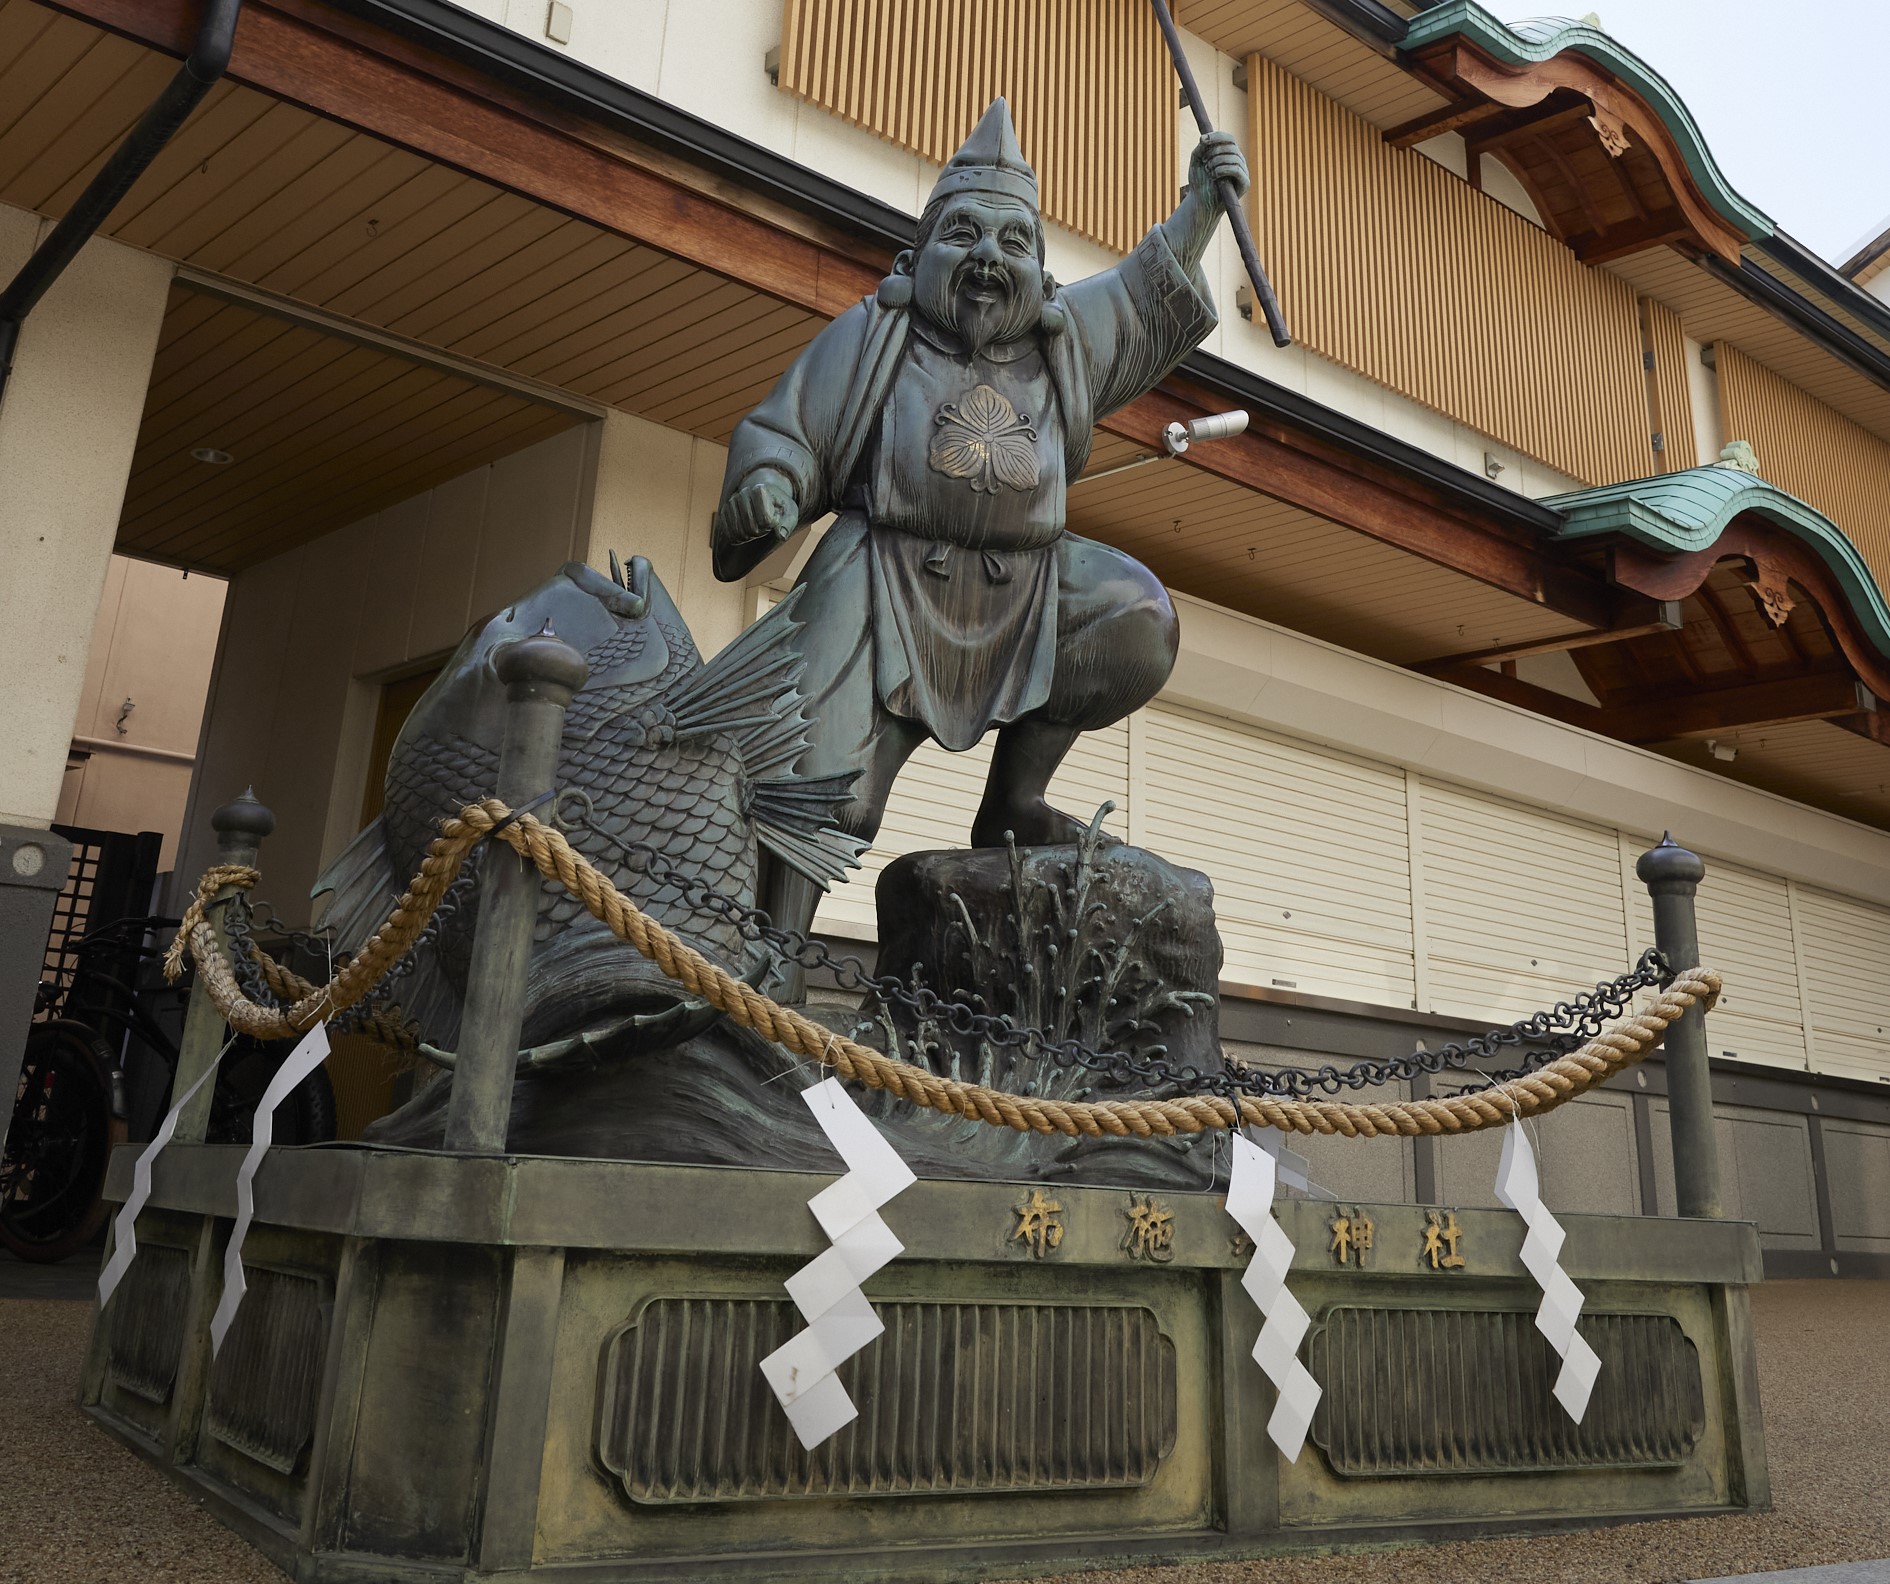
72,1106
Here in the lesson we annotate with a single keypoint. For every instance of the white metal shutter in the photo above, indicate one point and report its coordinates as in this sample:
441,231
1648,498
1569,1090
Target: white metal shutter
1307,849
1522,906
1847,960
1746,934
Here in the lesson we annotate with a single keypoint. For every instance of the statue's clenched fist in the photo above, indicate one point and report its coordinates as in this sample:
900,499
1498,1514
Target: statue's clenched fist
751,523
1217,158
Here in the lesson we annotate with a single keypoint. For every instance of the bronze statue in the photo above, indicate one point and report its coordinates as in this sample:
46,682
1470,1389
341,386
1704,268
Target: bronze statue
943,420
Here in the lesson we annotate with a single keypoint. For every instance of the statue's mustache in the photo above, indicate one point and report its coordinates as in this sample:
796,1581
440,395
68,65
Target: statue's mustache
988,277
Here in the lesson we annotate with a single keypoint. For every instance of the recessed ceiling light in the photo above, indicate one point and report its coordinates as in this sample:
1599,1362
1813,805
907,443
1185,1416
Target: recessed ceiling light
213,456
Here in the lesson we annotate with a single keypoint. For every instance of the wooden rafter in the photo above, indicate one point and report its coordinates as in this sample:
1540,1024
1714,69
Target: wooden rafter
1704,712
1656,617
1621,120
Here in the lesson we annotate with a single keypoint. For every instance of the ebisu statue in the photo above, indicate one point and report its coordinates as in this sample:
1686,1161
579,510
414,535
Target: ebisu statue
943,420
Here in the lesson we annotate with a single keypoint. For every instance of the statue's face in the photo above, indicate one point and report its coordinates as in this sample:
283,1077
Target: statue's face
979,274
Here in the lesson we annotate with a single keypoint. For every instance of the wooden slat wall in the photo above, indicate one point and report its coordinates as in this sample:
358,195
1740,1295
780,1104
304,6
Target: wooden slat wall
1668,394
1089,83
1807,448
1390,265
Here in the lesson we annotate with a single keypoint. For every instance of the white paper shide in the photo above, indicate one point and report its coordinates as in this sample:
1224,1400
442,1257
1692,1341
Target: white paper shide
840,1320
1518,1187
1250,1192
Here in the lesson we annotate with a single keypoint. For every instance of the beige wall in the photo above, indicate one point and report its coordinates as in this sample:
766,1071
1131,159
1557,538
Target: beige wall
153,644
310,636
68,425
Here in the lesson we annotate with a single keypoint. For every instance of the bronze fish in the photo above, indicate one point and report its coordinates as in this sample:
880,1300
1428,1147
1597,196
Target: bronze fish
693,761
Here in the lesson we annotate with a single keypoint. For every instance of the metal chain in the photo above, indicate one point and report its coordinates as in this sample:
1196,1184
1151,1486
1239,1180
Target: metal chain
246,916
1542,1037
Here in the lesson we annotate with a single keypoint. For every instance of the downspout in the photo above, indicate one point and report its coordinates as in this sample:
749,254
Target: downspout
208,59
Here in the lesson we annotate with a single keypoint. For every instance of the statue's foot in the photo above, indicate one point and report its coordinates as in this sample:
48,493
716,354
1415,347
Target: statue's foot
1031,824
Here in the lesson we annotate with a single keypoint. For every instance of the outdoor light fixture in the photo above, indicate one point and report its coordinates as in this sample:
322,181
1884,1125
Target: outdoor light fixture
213,456
1177,437
1722,751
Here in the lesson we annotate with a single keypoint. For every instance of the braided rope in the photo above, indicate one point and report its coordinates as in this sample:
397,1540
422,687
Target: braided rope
1552,1085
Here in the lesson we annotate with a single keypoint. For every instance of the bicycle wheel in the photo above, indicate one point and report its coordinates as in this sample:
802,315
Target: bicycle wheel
52,1176
307,1112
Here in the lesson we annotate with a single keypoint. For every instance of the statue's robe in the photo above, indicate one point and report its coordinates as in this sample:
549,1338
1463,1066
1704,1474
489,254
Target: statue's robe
942,591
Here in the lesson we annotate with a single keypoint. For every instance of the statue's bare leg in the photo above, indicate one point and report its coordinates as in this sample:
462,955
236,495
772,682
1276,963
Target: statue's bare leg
1116,642
1025,758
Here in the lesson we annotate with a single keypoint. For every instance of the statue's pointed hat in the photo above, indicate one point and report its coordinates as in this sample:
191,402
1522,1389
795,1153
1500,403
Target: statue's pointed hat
990,161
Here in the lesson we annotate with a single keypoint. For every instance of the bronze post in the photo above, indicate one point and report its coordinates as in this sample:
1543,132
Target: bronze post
241,826
540,675
1672,876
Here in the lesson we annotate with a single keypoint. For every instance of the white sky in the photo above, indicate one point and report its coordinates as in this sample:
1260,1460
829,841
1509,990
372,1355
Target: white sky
1790,97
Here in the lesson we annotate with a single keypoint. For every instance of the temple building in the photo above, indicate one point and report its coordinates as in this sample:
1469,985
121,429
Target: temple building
1563,522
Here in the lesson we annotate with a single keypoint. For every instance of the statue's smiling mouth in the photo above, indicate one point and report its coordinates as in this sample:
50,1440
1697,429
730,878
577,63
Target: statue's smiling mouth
984,285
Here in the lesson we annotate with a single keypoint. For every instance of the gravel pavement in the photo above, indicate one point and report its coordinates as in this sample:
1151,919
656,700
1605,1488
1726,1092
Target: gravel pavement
77,1508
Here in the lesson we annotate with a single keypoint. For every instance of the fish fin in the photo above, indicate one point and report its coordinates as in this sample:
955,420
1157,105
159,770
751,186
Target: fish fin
360,885
362,889
795,819
750,691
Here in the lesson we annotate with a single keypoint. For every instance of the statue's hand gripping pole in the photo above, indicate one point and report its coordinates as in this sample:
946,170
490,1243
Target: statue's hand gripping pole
1230,200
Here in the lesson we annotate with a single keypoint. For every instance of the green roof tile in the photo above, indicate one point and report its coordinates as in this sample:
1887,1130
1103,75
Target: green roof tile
1679,513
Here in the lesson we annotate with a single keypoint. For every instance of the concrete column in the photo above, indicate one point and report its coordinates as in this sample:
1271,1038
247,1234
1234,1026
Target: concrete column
653,494
68,426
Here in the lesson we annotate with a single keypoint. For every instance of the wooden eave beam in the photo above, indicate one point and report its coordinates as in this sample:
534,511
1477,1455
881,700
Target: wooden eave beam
1378,502
1618,241
1872,725
1537,121
1821,695
1829,695
1662,616
1452,118
393,89
1463,73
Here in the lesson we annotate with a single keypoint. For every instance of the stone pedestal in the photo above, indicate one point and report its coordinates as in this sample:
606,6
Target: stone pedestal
532,1368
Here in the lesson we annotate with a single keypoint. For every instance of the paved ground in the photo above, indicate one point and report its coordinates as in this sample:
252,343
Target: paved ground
77,1508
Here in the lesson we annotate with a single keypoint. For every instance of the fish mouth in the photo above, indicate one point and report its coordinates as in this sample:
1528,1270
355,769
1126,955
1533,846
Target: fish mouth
591,999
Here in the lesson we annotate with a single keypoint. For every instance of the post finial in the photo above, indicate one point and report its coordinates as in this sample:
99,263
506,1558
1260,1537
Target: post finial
542,661
244,816
1669,864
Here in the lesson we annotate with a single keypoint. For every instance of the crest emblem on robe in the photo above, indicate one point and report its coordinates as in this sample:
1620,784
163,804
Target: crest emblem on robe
985,439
